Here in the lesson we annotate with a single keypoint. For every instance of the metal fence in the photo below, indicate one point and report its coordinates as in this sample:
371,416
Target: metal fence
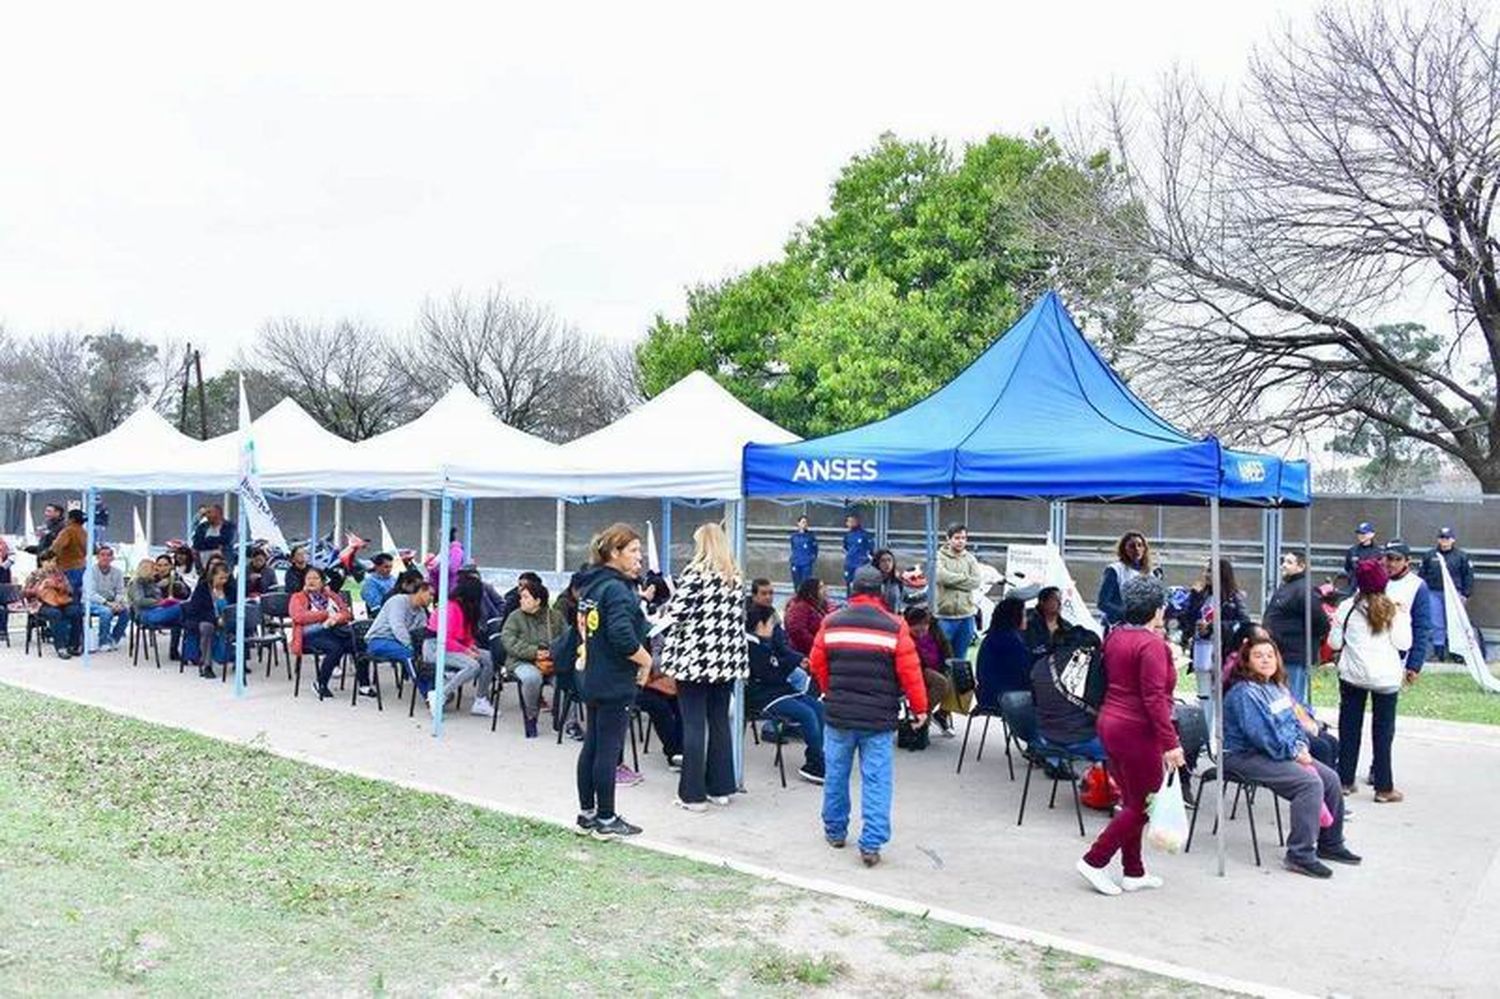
523,533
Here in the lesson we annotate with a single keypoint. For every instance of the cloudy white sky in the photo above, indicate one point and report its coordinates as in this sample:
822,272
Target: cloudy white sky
184,172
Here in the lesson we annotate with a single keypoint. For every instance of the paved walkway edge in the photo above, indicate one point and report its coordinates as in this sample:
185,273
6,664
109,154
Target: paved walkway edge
1006,931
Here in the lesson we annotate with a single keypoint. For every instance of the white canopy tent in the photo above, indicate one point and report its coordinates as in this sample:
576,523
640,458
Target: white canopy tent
458,429
685,443
145,454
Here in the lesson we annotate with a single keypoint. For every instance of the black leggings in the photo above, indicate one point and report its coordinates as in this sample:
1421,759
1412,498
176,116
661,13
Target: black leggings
603,741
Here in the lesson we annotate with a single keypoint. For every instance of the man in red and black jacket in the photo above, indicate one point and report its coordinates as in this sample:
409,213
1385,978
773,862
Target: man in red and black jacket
864,660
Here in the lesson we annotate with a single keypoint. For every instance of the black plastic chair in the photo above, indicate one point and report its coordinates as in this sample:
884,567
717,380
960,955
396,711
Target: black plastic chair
754,721
275,620
360,629
986,713
229,627
1249,789
1019,713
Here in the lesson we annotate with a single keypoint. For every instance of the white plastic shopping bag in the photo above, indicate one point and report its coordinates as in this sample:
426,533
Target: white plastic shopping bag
1167,821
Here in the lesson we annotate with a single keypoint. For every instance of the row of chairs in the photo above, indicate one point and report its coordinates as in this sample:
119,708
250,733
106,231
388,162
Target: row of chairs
1017,714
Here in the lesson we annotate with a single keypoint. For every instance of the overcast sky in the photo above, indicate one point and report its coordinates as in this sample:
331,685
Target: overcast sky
182,172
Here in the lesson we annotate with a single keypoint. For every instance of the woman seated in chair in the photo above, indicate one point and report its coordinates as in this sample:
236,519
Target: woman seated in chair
49,597
1059,691
202,613
150,605
465,659
1265,742
1045,624
527,638
1004,660
320,627
403,613
805,613
769,694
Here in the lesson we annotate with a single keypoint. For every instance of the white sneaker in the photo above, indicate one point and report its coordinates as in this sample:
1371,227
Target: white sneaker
719,799
1141,883
1097,878
432,702
481,706
693,806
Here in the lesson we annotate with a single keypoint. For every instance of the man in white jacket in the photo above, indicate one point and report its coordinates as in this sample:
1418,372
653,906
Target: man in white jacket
1413,601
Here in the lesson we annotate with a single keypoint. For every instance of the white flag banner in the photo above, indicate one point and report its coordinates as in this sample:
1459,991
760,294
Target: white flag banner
30,523
1463,640
257,509
388,544
131,555
1043,565
653,557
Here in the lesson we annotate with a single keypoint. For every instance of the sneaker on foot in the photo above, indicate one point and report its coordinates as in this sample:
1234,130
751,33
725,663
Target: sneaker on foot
837,842
64,654
531,728
1141,883
481,706
1350,789
1310,868
674,763
813,775
1098,878
719,799
574,731
691,806
207,672
869,857
432,702
585,823
628,777
1389,797
368,690
1339,855
614,828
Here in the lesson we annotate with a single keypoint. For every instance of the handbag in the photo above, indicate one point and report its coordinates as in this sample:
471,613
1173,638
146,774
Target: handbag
961,675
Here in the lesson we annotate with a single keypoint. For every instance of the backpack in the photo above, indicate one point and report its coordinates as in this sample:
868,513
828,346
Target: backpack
1077,668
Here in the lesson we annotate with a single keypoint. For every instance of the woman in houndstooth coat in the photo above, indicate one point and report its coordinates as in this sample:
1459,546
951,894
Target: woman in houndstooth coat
706,651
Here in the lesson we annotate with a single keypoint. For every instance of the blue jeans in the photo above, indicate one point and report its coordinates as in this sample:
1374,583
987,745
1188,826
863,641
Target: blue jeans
807,713
75,580
161,617
111,623
390,650
66,623
960,634
875,781
1092,749
1299,682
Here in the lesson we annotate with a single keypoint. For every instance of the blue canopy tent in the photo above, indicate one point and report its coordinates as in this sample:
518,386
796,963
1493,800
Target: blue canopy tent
1039,415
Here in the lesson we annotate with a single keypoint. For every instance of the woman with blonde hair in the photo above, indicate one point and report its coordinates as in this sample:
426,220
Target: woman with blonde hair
1370,635
706,651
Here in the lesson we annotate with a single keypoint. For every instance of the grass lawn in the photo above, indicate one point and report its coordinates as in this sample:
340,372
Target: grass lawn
136,859
1450,696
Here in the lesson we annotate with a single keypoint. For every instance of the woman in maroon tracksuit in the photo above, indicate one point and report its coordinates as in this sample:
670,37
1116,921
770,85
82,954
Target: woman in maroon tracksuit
1135,725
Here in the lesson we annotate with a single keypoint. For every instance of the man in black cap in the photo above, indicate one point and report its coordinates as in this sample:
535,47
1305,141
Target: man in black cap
864,660
1412,598
1459,570
1363,550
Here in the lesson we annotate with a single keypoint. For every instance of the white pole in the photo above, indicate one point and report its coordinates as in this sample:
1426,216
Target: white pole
1216,694
88,597
560,537
241,545
338,521
150,518
737,706
425,546
442,628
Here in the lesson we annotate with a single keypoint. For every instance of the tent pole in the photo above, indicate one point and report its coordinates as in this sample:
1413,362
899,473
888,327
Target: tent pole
737,706
241,545
666,537
150,519
88,553
1216,693
469,530
560,537
312,519
426,544
446,506
1307,611
338,521
930,547
187,516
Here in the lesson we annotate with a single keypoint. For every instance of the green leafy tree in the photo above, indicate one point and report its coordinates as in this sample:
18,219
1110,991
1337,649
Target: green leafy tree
922,259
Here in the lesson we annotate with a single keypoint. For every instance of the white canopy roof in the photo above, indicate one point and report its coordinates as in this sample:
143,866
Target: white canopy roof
458,429
145,453
295,452
686,442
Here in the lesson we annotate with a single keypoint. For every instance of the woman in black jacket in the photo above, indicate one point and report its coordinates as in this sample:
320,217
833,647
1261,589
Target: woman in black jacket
201,615
615,661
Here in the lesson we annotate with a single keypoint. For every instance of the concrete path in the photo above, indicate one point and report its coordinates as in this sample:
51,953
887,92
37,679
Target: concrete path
1419,918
